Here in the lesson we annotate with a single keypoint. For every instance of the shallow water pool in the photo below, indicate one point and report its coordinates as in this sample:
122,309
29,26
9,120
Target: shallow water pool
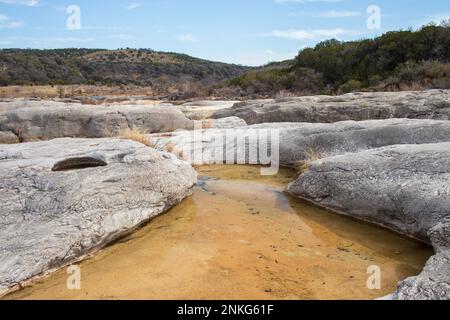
241,237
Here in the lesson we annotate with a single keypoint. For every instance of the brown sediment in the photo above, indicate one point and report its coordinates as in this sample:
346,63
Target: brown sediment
241,237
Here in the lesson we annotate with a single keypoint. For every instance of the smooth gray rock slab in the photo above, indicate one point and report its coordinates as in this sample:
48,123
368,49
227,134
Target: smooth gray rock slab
44,120
204,109
432,104
404,188
49,219
351,136
297,139
225,123
432,284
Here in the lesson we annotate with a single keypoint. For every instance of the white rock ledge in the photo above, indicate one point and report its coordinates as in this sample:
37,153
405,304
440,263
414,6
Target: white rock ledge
405,188
430,104
49,219
29,120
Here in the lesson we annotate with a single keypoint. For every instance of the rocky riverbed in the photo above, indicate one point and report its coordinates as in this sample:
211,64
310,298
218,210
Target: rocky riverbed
63,199
239,236
296,140
432,104
405,188
393,173
378,157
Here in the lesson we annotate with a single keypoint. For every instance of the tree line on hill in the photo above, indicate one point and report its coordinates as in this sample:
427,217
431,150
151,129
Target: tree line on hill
399,60
109,67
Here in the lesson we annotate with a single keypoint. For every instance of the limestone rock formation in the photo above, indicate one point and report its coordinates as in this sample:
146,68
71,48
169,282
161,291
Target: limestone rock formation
432,104
224,123
393,172
296,140
44,120
204,109
65,198
405,188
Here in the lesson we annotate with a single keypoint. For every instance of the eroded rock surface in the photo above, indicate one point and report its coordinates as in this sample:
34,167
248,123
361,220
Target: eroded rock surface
44,120
49,218
296,140
432,104
393,172
433,283
405,188
224,123
204,109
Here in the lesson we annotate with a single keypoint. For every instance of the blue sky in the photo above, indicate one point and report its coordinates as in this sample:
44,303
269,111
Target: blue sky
249,32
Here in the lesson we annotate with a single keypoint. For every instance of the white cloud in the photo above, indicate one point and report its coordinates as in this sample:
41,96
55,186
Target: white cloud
38,42
306,1
271,55
30,3
59,8
256,59
337,14
133,6
438,18
294,34
7,23
58,40
120,36
326,14
109,28
12,25
186,38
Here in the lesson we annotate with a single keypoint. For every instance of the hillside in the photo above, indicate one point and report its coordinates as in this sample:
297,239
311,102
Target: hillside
398,60
109,67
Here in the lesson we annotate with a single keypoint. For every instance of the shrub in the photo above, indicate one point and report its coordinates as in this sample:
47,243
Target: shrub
375,80
417,71
351,86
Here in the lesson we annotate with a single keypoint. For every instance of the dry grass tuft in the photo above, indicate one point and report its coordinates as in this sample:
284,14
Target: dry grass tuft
157,143
8,141
311,156
208,124
138,135
169,147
